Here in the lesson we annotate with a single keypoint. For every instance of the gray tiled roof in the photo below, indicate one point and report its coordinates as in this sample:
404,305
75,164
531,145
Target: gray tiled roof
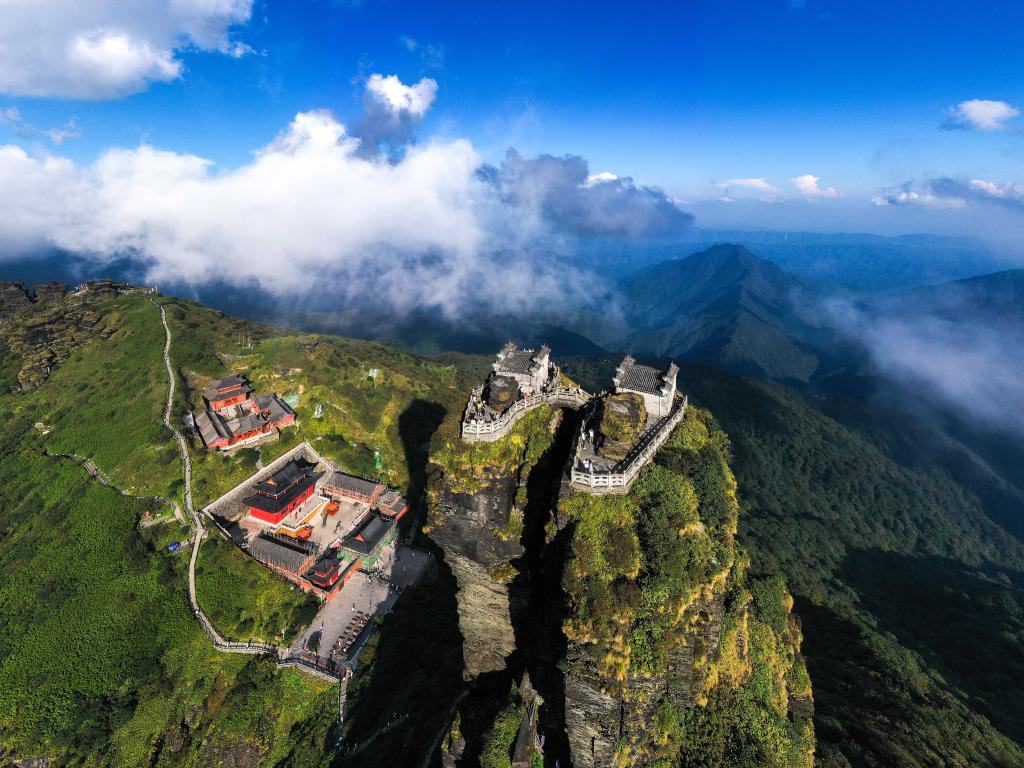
213,394
353,484
210,426
234,380
246,423
274,404
366,538
517,361
290,555
640,378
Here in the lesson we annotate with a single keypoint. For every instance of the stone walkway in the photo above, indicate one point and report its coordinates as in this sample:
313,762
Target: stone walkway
197,524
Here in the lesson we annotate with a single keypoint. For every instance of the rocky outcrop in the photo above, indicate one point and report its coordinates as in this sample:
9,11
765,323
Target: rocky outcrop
50,291
478,522
593,717
469,532
13,296
648,641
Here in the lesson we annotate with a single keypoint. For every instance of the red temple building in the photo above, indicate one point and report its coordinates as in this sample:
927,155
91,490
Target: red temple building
226,392
283,492
331,571
234,417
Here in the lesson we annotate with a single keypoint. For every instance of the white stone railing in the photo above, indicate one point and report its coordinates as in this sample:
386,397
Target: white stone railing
621,476
479,430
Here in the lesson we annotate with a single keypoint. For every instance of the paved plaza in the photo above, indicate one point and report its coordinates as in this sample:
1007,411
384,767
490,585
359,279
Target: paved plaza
365,596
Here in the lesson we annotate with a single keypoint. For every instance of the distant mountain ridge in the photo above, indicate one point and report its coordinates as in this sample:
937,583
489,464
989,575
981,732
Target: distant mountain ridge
724,306
855,261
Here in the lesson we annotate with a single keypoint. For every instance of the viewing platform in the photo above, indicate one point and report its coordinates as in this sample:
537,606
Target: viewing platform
620,432
521,380
593,473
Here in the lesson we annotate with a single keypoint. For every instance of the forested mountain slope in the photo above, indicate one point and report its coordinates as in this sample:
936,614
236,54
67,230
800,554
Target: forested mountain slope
911,594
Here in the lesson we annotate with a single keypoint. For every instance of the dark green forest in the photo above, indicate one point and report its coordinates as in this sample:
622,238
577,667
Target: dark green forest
909,588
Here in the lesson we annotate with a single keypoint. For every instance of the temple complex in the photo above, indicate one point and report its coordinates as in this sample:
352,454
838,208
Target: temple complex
233,417
312,524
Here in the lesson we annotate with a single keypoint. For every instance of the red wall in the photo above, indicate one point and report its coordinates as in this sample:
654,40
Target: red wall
269,517
217,403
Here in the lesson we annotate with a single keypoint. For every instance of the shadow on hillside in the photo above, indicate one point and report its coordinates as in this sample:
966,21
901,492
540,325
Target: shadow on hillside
416,426
410,671
854,710
410,674
967,623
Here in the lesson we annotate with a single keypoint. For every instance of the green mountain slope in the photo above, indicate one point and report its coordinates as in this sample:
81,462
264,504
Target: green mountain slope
101,660
911,595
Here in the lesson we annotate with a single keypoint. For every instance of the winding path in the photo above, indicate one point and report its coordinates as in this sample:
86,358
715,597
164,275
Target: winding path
197,524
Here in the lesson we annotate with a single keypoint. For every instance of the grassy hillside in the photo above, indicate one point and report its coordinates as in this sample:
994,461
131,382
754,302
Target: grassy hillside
101,661
911,596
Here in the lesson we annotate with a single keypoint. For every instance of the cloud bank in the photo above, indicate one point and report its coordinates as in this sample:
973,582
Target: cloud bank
560,193
954,351
950,193
99,49
431,227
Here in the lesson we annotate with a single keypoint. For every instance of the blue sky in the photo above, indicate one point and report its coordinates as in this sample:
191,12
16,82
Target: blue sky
676,96
899,116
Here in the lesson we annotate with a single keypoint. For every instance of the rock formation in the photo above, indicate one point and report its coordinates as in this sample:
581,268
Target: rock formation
477,498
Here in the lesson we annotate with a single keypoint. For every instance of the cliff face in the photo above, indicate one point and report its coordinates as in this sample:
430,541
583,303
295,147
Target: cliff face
477,494
665,648
672,650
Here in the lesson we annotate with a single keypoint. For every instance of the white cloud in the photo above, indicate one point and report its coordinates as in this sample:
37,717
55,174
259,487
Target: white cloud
391,109
951,193
95,49
308,212
807,185
766,192
604,177
413,100
1006,191
980,115
12,116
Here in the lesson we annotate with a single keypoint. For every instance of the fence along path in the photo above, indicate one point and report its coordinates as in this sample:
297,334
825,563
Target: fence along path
197,524
489,431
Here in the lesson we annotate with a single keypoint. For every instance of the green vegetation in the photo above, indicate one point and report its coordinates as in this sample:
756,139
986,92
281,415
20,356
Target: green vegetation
500,740
101,660
911,596
246,602
470,467
652,575
394,410
623,416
